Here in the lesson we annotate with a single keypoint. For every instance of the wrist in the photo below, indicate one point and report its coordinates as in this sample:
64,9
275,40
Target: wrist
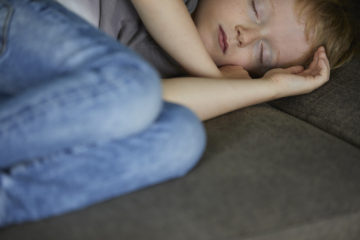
275,87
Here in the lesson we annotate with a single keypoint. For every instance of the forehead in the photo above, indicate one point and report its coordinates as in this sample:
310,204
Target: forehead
287,33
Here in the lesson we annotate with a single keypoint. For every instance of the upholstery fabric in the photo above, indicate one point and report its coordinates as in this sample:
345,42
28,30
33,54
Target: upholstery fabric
279,171
335,107
266,175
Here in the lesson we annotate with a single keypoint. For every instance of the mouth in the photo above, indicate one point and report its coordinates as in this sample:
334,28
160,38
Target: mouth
223,40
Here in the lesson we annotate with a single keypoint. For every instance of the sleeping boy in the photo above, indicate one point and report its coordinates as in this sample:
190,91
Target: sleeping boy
256,35
84,119
217,44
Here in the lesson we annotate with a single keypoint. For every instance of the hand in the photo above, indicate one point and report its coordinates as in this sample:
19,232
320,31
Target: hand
232,71
297,80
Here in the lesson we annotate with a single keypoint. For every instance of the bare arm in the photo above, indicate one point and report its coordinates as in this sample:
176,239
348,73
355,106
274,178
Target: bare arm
170,24
209,98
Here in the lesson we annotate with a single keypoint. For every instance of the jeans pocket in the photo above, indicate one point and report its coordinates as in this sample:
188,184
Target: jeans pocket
6,12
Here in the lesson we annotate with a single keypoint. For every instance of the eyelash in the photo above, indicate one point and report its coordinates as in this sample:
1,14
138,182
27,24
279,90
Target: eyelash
261,57
262,53
255,10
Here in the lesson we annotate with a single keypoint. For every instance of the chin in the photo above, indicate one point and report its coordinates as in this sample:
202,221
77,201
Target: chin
219,61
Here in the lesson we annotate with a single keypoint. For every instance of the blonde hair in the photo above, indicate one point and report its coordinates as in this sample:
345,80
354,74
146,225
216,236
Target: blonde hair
327,24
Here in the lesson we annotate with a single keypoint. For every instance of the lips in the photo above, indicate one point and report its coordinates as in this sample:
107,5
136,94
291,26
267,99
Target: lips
223,40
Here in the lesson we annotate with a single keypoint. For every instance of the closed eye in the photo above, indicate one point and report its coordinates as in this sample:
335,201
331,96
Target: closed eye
261,53
254,8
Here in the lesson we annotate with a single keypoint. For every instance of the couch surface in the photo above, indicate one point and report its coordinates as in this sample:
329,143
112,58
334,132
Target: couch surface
265,175
289,169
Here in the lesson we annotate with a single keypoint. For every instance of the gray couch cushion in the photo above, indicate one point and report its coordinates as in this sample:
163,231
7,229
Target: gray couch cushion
265,175
335,107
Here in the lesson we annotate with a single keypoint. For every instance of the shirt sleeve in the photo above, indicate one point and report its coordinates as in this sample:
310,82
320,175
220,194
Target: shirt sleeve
191,5
120,20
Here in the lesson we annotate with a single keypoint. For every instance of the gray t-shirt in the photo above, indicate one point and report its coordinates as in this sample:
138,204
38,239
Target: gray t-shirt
119,19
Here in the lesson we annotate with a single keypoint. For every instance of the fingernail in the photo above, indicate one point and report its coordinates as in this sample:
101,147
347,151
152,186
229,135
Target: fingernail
324,53
324,50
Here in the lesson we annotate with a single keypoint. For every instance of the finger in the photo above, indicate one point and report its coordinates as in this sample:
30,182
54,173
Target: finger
315,61
325,66
314,69
324,56
323,74
295,69
290,70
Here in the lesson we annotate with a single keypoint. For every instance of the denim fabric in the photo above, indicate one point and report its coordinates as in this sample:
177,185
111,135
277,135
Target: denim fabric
81,116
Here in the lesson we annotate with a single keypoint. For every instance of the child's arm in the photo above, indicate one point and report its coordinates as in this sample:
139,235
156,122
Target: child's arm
170,24
209,98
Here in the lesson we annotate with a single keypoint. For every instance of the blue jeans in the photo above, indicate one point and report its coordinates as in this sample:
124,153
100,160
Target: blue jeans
81,116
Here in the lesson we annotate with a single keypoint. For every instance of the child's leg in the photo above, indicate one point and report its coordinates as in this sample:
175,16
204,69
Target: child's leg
68,83
92,173
82,107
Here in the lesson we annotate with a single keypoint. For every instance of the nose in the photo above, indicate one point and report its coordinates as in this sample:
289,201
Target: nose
246,35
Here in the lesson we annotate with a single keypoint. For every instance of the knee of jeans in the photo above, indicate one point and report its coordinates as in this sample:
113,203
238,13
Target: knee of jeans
147,100
189,137
137,88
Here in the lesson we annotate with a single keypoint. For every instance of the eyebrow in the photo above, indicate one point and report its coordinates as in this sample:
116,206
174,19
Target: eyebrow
271,4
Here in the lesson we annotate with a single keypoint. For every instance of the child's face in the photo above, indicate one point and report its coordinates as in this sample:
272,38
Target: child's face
255,34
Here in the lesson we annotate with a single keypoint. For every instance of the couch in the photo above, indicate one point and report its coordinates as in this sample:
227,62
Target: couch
284,170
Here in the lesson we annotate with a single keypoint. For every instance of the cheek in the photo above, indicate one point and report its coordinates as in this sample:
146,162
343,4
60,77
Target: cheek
207,34
241,58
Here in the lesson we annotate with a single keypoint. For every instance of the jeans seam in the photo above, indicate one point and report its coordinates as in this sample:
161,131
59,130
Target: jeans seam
6,27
